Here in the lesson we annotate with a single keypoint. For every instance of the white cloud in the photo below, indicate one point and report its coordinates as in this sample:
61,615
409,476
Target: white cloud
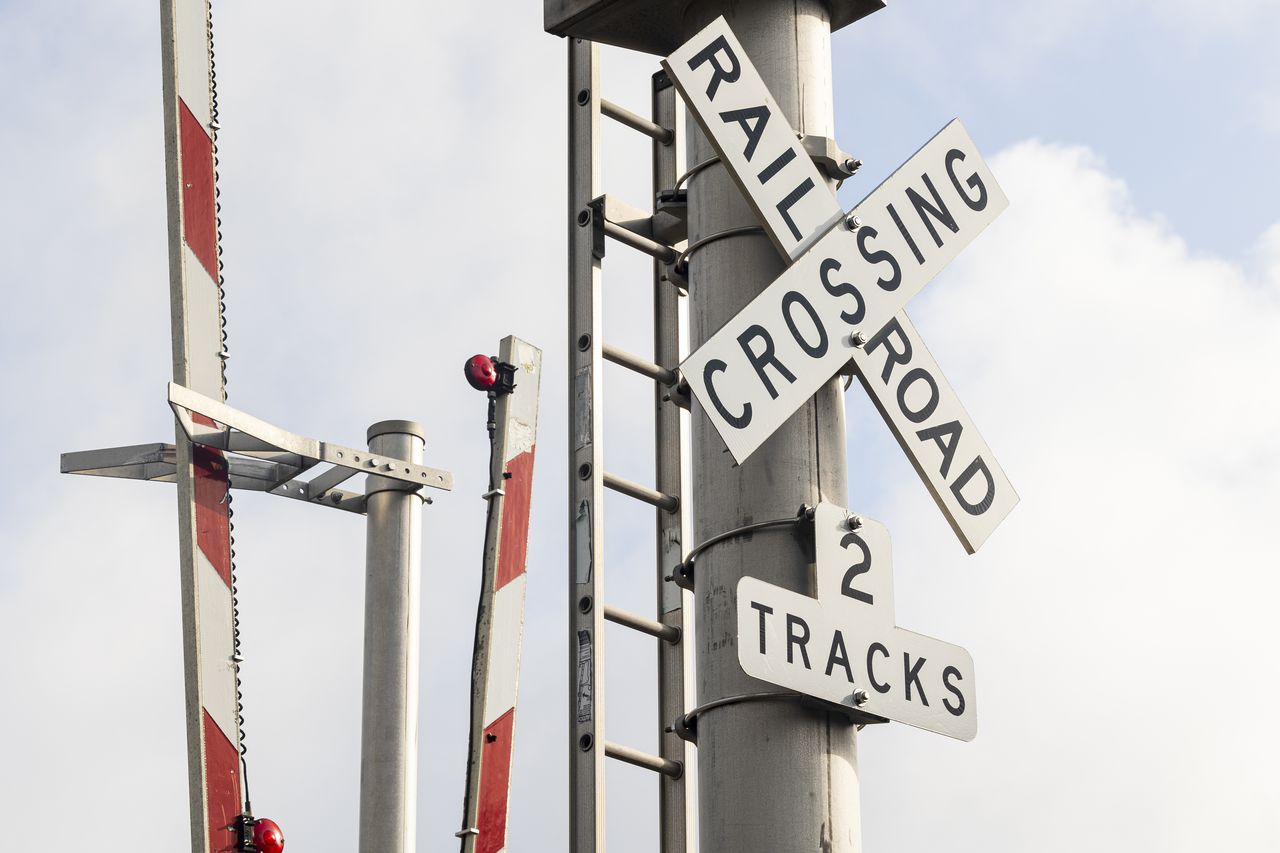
1121,619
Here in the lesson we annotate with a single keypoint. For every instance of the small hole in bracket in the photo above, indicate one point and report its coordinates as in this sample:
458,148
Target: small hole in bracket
584,217
584,471
584,97
584,743
584,343
584,604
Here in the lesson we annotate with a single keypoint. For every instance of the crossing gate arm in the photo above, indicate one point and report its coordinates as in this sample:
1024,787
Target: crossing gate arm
495,670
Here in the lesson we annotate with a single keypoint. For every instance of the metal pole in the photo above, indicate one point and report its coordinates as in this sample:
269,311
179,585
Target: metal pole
772,775
389,728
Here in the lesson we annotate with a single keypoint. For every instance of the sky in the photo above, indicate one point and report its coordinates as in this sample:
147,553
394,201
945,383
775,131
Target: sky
393,190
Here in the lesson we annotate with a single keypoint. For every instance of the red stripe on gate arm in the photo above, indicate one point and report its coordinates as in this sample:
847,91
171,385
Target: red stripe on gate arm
495,784
199,215
514,544
222,774
213,533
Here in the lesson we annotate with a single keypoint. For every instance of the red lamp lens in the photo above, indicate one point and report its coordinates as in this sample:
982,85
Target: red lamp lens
267,836
481,374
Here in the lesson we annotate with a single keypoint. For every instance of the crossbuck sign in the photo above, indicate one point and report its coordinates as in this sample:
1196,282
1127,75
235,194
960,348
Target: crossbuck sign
842,298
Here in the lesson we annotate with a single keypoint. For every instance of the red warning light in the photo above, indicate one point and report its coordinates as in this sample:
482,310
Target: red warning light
481,373
267,836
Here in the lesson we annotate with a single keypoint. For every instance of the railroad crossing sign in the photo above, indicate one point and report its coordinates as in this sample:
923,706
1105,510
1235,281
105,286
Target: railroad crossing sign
844,647
842,298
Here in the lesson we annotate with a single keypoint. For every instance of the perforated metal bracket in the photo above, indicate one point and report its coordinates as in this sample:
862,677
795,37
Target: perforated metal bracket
260,457
827,156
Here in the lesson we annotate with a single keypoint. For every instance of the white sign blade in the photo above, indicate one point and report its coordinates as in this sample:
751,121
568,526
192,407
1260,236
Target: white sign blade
765,363
733,106
935,432
793,641
853,565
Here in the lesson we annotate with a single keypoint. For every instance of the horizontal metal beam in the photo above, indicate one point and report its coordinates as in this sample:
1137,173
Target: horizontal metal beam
652,627
624,116
640,493
656,372
653,248
626,754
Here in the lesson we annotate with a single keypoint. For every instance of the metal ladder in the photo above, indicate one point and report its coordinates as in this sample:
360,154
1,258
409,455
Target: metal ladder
595,219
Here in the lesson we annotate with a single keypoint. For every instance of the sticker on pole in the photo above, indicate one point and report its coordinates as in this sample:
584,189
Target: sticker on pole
844,647
765,363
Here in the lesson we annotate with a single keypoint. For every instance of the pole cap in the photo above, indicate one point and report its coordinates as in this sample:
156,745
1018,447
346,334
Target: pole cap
397,428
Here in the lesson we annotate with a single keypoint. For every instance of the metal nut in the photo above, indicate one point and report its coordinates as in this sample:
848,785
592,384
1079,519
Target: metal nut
853,223
857,339
860,697
851,165
855,521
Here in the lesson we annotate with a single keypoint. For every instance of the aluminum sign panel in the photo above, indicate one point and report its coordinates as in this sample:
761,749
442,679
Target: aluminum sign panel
844,646
766,362
935,431
724,92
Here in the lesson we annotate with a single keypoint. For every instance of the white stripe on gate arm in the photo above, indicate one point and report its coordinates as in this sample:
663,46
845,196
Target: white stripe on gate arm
766,362
191,43
727,96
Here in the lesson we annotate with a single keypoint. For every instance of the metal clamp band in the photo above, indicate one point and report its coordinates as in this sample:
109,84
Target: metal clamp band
681,263
685,726
683,574
710,161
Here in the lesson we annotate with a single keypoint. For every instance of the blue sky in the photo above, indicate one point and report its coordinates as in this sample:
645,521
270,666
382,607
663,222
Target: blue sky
393,190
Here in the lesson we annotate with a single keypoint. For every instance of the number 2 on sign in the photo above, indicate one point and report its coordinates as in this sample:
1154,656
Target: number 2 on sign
859,568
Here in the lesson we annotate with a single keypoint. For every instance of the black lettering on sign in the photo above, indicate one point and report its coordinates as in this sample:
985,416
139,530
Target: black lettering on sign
752,120
764,610
892,356
947,674
764,358
839,656
713,367
830,265
776,166
937,210
906,235
911,674
974,182
947,437
718,47
859,568
922,414
977,466
880,256
871,671
784,206
797,640
791,299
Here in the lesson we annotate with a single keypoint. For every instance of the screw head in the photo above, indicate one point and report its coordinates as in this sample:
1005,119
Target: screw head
857,339
853,223
855,521
851,165
860,697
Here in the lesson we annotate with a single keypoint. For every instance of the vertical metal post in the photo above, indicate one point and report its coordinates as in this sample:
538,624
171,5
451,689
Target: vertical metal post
773,775
675,660
392,606
586,462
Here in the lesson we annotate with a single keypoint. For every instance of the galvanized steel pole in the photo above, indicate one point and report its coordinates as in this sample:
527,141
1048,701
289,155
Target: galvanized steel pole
392,606
773,775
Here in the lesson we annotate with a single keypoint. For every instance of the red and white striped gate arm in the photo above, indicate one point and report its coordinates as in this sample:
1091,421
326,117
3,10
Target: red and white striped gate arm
213,729
500,622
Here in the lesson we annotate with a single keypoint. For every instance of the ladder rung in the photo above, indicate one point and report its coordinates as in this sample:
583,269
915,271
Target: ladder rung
622,115
652,627
627,237
656,372
641,493
656,763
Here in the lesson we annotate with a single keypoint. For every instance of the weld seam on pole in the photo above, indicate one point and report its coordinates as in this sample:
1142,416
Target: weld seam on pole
641,493
657,764
624,116
652,627
656,372
639,242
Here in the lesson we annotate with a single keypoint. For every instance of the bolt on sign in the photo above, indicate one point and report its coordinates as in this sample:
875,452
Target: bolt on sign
846,288
843,646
